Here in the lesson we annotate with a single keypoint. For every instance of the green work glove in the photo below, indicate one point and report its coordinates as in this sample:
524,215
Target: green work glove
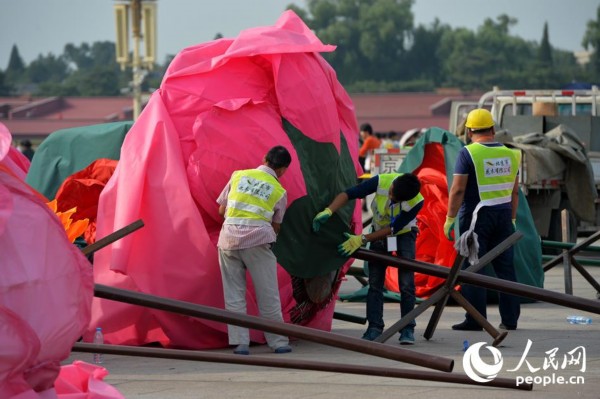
448,227
348,247
321,218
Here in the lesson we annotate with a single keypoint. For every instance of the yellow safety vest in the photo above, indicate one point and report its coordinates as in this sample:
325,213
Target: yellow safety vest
495,170
382,211
252,198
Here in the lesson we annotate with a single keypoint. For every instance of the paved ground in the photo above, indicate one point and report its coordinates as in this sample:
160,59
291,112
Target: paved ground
542,324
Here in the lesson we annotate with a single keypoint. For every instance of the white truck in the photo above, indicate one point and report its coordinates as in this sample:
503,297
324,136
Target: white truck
559,170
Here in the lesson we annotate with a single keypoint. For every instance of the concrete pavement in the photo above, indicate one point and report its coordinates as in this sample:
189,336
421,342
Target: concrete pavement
538,351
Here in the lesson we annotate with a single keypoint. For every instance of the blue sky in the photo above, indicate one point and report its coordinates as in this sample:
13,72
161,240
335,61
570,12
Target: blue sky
45,26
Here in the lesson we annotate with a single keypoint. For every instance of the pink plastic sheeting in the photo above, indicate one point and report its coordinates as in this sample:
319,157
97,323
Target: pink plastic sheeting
46,287
82,380
219,109
11,157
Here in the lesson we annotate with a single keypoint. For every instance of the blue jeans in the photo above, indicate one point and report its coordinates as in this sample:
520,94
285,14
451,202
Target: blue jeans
406,280
493,226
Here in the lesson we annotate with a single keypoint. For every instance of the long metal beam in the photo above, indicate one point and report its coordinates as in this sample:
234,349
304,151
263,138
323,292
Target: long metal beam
480,280
278,361
112,237
309,334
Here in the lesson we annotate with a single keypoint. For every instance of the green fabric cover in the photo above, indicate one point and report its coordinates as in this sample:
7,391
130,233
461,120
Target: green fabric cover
299,250
528,250
67,151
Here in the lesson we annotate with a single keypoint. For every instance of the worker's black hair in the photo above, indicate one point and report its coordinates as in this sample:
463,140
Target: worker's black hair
365,127
405,187
278,157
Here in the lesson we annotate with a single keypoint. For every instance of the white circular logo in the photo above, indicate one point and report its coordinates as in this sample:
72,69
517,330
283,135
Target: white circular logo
476,368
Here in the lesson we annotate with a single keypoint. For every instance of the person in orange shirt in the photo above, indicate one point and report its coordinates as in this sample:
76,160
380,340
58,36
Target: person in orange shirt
370,142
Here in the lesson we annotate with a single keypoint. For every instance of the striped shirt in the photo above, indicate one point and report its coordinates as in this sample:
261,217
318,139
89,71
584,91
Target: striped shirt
234,236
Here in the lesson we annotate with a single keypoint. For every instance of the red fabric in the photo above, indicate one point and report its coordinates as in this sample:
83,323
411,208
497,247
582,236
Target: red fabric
82,190
432,245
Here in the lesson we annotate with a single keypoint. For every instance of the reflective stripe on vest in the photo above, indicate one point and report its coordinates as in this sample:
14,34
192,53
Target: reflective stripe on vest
495,170
252,198
382,212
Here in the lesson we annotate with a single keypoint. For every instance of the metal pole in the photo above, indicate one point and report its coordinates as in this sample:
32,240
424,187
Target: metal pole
296,364
309,334
564,218
136,15
576,248
112,237
497,284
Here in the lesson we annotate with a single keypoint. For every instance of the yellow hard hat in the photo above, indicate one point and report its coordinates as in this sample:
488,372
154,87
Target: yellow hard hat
479,118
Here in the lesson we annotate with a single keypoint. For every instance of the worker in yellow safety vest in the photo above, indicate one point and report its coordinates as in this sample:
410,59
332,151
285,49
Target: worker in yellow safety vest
253,204
394,229
485,188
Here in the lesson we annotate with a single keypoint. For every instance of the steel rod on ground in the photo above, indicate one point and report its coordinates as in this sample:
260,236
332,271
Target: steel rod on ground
440,297
574,249
296,364
309,334
497,284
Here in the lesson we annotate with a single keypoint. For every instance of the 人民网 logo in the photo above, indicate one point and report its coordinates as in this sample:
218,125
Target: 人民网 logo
476,368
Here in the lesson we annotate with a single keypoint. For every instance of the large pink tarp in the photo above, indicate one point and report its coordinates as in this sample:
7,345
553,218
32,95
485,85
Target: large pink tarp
219,109
46,286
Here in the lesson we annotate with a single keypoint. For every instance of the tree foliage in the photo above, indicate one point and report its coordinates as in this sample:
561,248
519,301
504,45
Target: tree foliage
591,40
5,89
16,66
378,49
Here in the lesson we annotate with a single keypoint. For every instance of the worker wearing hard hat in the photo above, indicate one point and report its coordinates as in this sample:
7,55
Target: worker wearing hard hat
485,188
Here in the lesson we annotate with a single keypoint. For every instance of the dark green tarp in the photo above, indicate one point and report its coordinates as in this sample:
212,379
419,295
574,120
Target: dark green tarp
528,251
326,173
67,151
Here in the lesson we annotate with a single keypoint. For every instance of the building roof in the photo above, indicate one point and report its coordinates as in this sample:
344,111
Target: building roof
394,113
400,112
36,118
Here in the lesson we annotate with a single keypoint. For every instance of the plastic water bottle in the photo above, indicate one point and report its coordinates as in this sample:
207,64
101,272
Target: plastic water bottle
98,339
579,320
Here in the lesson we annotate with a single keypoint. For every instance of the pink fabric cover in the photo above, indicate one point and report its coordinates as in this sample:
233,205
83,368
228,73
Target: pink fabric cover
82,380
46,286
219,109
12,158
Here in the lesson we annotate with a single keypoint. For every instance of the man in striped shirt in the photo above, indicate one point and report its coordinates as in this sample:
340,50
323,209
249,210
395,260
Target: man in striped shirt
253,204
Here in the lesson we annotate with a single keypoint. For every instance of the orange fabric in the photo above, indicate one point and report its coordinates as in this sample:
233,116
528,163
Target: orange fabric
370,143
432,246
82,190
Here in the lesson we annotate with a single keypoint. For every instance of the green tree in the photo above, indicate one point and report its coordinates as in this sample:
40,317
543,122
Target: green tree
87,57
490,57
591,41
370,35
423,60
5,88
78,57
16,66
545,51
47,68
